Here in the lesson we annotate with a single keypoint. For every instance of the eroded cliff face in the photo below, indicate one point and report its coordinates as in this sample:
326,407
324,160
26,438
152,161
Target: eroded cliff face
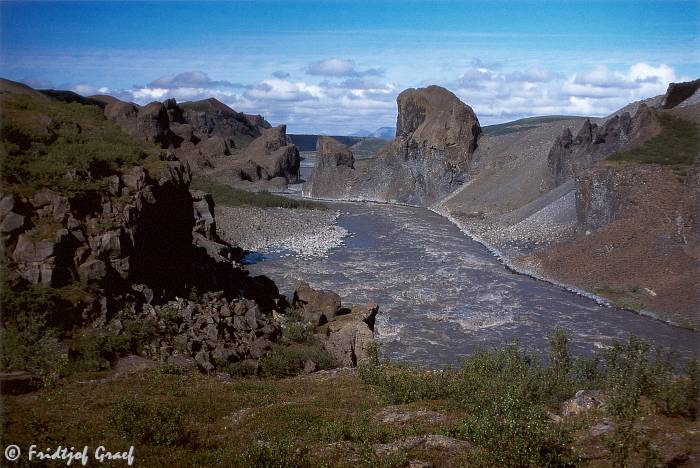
593,142
435,138
269,161
335,164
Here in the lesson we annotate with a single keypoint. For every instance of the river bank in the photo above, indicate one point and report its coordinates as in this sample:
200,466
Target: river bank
443,295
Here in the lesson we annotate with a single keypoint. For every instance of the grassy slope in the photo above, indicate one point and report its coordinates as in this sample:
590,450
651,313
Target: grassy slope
677,144
229,196
497,402
43,142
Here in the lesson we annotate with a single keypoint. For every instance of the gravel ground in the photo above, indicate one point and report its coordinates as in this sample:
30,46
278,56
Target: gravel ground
306,233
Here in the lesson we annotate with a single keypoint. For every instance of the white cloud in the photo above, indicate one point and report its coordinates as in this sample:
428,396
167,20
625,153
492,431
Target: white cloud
89,90
339,67
192,79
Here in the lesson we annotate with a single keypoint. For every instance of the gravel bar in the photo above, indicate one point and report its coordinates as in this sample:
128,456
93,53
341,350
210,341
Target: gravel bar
306,233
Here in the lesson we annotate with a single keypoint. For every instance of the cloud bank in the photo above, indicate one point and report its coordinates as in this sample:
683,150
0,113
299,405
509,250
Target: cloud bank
334,96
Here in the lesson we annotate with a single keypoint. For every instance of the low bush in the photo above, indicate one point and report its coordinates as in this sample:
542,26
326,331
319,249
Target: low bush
284,361
506,394
279,454
68,147
149,423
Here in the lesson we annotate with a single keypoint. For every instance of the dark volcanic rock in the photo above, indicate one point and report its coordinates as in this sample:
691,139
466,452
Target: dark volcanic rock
436,136
268,157
318,307
679,92
334,164
593,143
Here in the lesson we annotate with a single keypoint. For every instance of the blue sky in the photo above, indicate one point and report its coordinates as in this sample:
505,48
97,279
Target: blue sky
336,67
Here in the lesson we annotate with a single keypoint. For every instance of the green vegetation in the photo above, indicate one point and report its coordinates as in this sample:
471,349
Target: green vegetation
498,401
228,196
148,423
625,297
68,147
507,395
677,144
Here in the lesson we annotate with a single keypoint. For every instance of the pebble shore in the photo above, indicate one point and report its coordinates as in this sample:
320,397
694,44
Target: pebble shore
306,233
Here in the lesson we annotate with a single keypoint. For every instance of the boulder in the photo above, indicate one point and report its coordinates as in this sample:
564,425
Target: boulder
93,271
317,306
123,114
582,402
349,337
153,123
424,442
330,151
13,223
18,382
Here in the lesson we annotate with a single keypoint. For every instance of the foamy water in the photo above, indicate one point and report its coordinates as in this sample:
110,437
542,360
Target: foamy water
442,295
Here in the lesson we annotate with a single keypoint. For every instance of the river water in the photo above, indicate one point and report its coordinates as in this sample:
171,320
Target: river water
442,295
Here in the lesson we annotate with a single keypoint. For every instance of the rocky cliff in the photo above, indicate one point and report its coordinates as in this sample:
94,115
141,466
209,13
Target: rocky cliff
594,142
608,206
436,135
269,161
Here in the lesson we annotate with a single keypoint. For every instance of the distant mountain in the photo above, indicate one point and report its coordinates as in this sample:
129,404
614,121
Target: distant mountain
361,133
384,133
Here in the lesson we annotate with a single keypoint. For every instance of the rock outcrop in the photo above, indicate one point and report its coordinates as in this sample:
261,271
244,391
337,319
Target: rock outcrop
593,143
335,163
679,93
436,135
212,331
270,160
349,337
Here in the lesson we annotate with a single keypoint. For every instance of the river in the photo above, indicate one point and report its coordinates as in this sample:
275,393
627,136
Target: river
442,295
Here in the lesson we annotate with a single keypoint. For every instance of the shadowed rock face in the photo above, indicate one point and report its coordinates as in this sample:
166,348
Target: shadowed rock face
679,92
436,135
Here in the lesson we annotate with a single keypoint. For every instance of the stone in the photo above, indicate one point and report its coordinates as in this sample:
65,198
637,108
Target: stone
133,363
603,427
318,306
92,271
18,382
400,416
349,337
135,178
203,360
181,361
424,442
14,223
582,402
310,367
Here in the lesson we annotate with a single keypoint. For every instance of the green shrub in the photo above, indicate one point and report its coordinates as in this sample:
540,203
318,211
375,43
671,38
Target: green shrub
149,423
297,331
279,454
68,147
284,361
229,196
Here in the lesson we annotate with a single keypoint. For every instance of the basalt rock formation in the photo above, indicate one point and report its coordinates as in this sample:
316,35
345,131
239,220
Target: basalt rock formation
594,142
335,163
436,135
268,161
